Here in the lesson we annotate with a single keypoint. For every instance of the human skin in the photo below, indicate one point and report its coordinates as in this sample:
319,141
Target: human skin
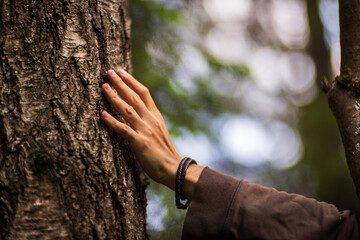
146,132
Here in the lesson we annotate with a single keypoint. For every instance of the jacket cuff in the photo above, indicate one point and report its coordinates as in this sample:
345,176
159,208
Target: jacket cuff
214,193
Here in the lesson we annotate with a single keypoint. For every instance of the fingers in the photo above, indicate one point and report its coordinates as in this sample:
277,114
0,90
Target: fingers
122,107
124,130
131,97
138,88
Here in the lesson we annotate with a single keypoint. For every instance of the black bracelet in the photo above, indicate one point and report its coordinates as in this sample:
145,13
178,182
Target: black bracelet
179,183
182,176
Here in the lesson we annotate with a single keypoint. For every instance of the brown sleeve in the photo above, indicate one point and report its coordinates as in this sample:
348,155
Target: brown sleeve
226,208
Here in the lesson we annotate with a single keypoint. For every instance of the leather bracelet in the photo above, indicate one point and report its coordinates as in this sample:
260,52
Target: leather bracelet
183,173
179,183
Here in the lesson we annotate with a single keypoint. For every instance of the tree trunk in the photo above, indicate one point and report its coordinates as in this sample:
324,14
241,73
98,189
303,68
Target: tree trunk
63,174
344,92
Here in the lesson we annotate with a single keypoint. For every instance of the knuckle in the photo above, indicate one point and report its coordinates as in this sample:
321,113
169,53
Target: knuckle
129,110
113,96
145,91
121,127
157,124
134,98
124,130
144,143
149,132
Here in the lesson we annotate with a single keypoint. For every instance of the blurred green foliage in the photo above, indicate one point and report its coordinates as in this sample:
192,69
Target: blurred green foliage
322,171
155,23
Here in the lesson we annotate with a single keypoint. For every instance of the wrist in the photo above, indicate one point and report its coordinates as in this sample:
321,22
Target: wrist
171,170
191,178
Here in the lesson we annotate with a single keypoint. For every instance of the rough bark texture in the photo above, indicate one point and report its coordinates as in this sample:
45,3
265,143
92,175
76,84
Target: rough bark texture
63,175
344,92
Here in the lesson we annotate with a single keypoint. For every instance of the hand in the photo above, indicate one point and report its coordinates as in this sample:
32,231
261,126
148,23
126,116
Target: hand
147,133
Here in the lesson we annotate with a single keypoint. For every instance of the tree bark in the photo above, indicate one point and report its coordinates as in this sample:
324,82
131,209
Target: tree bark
344,92
63,174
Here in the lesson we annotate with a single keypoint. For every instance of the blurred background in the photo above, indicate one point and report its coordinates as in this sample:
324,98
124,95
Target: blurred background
238,84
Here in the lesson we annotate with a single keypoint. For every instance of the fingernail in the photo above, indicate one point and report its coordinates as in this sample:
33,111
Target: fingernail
111,72
105,115
107,87
120,69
